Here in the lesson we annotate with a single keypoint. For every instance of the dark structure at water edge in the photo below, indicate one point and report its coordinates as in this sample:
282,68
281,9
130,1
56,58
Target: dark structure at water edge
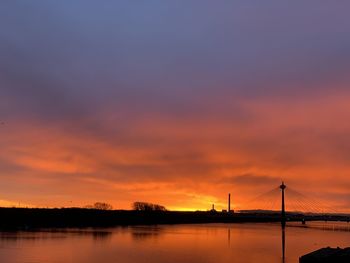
327,255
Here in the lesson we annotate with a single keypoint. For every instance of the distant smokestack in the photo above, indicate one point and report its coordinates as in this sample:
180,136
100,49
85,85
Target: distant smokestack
229,202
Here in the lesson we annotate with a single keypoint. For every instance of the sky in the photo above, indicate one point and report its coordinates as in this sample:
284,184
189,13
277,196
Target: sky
173,102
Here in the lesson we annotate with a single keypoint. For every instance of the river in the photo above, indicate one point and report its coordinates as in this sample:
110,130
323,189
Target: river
205,243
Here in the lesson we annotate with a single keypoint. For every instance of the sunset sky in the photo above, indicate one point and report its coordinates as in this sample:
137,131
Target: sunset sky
173,102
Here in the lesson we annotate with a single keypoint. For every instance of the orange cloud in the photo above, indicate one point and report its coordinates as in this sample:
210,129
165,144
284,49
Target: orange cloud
184,163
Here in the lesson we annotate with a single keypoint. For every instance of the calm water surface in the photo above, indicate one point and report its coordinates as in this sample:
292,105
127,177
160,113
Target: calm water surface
208,243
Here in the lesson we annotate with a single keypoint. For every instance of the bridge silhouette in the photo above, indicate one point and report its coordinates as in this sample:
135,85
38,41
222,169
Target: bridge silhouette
287,201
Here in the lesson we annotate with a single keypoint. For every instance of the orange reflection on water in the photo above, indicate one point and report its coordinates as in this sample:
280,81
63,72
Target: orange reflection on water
211,243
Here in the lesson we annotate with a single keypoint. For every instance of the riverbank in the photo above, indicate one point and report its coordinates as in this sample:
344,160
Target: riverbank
27,218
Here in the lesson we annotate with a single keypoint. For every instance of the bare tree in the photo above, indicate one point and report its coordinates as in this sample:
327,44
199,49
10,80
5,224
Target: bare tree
100,206
158,207
144,206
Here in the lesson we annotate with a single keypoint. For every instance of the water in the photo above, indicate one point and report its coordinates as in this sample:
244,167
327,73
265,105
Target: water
207,243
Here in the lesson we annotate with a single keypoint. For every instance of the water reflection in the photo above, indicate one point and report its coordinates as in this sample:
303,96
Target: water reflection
323,225
49,234
283,243
101,235
229,237
211,243
140,233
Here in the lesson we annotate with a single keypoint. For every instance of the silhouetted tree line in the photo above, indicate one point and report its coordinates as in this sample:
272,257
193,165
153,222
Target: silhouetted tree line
100,206
143,206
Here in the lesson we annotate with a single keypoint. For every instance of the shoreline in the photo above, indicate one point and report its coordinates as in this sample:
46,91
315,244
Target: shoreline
32,218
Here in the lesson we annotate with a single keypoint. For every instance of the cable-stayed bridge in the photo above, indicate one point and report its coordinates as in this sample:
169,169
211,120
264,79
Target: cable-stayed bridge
291,205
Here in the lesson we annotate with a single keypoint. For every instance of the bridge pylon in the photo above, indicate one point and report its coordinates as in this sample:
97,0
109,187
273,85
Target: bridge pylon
283,209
